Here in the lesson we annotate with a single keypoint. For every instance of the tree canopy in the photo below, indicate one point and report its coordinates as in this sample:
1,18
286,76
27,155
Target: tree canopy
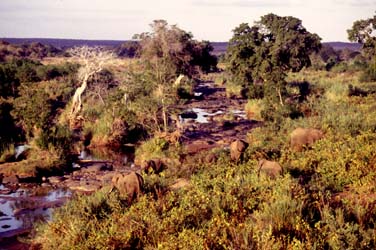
171,50
363,31
262,54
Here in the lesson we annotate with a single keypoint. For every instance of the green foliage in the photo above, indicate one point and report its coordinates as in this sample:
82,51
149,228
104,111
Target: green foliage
9,133
325,198
33,108
16,72
34,50
128,49
362,32
261,55
369,74
172,51
153,148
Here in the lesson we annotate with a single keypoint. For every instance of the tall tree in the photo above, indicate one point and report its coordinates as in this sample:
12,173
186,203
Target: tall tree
363,31
167,52
260,56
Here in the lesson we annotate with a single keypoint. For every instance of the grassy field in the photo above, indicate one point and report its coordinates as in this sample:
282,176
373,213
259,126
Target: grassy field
325,199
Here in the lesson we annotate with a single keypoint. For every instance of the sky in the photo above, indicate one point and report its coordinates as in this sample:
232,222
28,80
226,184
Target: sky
211,20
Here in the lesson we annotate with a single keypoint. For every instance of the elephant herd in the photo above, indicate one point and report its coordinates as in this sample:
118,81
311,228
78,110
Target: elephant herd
130,185
300,138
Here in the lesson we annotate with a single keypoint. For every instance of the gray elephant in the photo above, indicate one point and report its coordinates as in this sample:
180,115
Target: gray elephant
153,166
237,149
129,185
301,137
271,168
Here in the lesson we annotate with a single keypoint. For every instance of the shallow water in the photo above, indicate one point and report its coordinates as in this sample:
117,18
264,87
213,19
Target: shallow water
21,209
203,114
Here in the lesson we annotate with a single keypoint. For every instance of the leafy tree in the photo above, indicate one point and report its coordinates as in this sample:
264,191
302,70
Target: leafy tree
260,56
173,50
128,49
167,52
9,133
8,80
33,109
363,31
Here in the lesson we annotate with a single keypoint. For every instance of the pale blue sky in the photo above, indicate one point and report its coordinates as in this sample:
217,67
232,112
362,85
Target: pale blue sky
211,20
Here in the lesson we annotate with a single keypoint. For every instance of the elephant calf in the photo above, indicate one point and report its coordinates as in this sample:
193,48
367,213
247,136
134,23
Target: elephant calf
271,168
301,137
237,149
128,185
153,166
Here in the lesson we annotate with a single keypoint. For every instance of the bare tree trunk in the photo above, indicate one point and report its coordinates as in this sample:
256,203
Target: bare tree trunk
77,103
280,96
93,62
164,114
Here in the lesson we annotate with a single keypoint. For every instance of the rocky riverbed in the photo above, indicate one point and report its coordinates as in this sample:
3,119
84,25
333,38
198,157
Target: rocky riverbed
207,121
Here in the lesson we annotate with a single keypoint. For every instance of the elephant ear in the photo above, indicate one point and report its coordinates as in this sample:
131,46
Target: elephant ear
241,145
260,163
116,178
140,180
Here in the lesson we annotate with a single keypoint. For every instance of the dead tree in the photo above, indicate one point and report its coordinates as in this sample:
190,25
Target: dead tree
92,61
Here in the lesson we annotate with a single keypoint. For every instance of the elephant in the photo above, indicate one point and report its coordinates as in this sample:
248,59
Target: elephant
301,137
237,149
153,166
129,185
271,168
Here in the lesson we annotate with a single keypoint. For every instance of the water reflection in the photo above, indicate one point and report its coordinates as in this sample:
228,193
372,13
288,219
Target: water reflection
23,208
202,115
105,154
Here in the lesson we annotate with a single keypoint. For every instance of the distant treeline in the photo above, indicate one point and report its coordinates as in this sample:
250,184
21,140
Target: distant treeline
39,48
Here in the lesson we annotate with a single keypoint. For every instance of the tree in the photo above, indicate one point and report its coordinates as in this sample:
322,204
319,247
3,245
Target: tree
363,31
93,61
260,56
167,52
173,51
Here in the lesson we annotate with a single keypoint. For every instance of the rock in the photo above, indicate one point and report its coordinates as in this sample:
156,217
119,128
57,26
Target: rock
86,187
97,167
237,149
198,146
189,115
106,178
6,191
56,179
12,179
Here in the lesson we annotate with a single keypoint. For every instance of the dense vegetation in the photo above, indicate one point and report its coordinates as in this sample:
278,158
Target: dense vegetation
325,198
34,50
